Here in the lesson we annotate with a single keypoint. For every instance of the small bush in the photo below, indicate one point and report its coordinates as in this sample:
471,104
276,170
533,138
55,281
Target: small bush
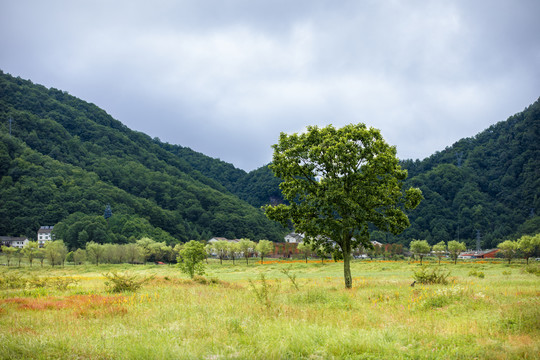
205,281
12,281
118,282
478,274
436,276
532,269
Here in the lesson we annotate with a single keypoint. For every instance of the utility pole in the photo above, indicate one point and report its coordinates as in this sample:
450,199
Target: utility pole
478,240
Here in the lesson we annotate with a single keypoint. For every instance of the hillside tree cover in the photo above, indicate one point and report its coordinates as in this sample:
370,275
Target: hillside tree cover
339,182
66,156
487,184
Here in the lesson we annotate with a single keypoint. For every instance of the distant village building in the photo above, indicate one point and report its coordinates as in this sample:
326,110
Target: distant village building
294,238
216,239
15,242
485,254
44,234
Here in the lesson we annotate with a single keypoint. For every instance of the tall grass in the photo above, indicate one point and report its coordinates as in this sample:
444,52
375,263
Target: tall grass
255,312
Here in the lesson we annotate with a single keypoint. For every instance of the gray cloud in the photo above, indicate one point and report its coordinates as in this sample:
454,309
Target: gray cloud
226,77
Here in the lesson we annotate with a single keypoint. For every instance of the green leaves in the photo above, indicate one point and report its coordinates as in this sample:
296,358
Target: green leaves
191,258
349,176
338,182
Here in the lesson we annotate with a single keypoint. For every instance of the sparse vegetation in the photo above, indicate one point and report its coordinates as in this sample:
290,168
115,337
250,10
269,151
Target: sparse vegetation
435,276
244,311
123,282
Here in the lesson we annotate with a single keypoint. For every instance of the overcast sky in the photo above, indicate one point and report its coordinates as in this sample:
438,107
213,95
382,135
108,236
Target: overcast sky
225,77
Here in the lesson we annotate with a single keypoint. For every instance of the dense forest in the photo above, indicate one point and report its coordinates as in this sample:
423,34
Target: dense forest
67,159
485,187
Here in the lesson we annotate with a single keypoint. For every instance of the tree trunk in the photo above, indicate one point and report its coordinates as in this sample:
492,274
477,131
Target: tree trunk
346,249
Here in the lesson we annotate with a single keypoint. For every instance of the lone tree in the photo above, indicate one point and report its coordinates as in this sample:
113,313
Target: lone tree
305,249
508,249
455,248
338,182
420,248
440,250
246,247
264,247
191,258
528,245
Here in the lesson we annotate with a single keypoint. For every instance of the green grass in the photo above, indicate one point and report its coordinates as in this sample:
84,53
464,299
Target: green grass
172,317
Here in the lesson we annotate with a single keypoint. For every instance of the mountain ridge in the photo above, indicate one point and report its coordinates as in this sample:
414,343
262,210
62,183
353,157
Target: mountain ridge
486,184
57,125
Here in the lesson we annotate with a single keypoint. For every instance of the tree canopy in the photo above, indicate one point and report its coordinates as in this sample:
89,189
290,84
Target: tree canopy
338,183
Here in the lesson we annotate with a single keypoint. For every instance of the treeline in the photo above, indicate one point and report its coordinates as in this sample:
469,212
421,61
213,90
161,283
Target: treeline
57,253
141,251
65,156
483,187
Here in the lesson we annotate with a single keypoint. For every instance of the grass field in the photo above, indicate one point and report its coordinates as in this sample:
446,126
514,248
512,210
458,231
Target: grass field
487,311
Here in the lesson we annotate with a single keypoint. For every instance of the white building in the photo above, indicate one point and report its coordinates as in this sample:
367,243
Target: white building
294,238
44,234
15,242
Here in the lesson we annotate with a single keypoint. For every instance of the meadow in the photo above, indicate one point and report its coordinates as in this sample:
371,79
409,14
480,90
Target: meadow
275,310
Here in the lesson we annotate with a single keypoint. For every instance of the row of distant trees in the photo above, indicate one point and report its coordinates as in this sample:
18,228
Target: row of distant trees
142,251
525,247
147,250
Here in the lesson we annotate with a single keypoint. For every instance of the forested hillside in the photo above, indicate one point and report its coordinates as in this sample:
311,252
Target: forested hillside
67,159
486,186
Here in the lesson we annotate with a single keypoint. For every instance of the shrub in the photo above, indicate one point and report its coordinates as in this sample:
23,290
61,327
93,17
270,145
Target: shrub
531,269
12,281
118,282
205,281
436,276
478,274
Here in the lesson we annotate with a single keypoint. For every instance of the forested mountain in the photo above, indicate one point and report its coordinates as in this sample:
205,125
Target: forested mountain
67,159
486,186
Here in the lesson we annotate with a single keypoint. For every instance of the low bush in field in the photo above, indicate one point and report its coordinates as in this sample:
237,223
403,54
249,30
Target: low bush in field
12,281
118,282
435,276
533,269
478,274
204,280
